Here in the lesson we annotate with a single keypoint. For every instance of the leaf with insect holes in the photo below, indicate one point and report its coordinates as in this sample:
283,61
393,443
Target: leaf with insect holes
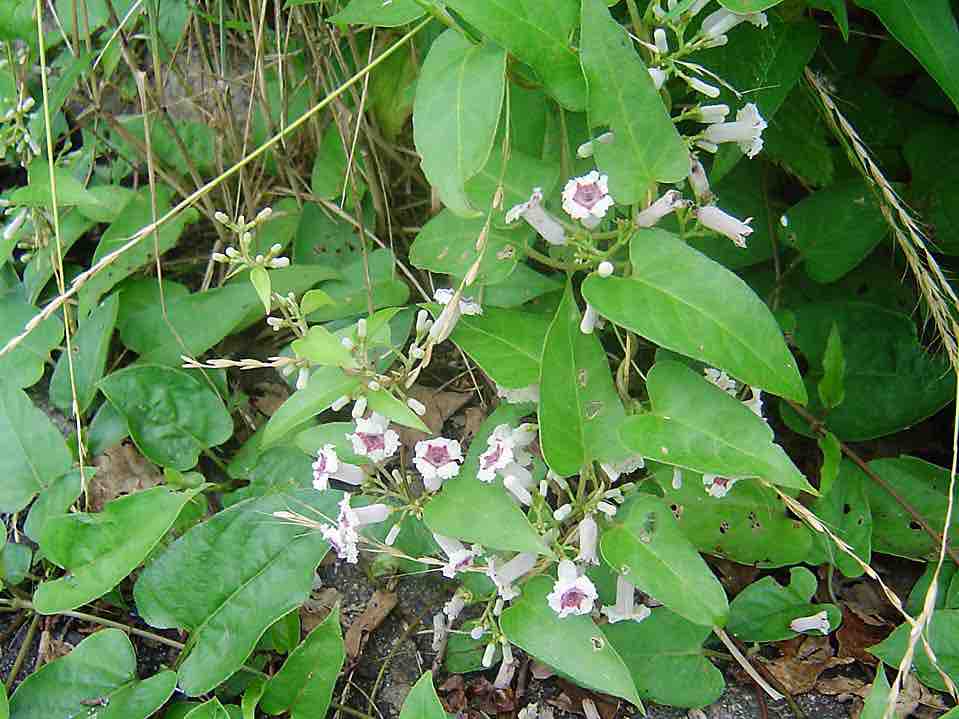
845,509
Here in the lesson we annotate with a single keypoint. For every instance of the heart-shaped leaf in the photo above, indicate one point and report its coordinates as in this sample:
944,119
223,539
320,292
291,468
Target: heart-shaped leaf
422,702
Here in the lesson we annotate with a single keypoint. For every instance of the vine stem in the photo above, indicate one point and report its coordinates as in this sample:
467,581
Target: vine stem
747,666
817,426
22,654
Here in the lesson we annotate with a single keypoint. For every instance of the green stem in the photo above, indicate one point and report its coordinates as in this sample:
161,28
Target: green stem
550,262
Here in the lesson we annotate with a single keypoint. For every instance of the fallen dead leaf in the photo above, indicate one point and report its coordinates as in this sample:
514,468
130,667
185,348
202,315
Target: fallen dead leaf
315,609
440,406
734,576
541,671
867,602
855,635
473,419
487,698
803,660
377,609
572,696
121,470
268,396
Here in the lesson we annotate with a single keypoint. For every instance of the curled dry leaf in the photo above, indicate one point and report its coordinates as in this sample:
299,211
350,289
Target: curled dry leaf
121,470
440,406
317,607
855,636
378,608
803,660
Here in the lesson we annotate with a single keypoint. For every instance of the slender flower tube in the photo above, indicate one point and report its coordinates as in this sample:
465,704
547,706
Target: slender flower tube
746,131
625,608
711,217
818,622
588,534
504,576
546,226
670,201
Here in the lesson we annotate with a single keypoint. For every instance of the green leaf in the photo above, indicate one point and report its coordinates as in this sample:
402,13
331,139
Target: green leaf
422,702
39,192
521,175
523,285
672,300
32,451
17,23
227,580
200,140
329,171
647,148
943,636
374,12
646,546
212,709
579,409
831,456
325,386
260,279
251,698
573,646
835,229
748,6
536,33
99,550
891,382
314,300
696,425
750,525
831,389
322,347
664,654
73,226
458,100
54,500
15,561
763,611
23,366
924,486
91,345
350,295
932,152
101,666
447,245
172,415
394,410
799,141
485,514
134,217
878,698
304,684
929,32
917,595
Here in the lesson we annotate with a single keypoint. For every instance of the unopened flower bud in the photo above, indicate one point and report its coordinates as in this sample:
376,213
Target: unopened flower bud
659,37
340,403
417,352
414,404
302,378
231,252
563,512
264,214
489,654
279,262
359,408
221,217
374,386
658,76
347,343
476,633
421,319
605,268
219,257
392,535
704,87
361,328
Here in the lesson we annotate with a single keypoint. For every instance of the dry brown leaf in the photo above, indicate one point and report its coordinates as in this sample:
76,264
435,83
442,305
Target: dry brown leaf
571,700
473,419
315,609
267,397
855,635
734,576
377,609
121,470
841,686
803,660
440,406
867,601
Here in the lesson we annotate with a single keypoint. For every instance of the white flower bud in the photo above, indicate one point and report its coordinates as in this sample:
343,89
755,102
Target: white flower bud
264,214
489,654
347,343
606,508
359,408
658,76
704,87
588,323
275,322
563,512
279,262
361,328
476,633
417,352
340,403
659,37
418,407
422,317
784,221
219,257
543,488
605,268
498,607
231,252
302,378
374,386
221,217
14,226
392,535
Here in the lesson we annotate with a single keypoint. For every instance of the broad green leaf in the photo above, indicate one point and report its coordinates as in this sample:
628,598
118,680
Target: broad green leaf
891,382
199,139
458,100
664,653
926,488
482,513
325,386
99,550
834,229
172,415
765,63
696,425
447,245
38,191
260,280
91,345
932,152
945,597
523,285
799,141
465,654
15,561
928,30
943,636
107,430
102,665
831,389
506,344
390,93
375,12
73,226
394,410
683,301
55,500
537,33
845,510
579,410
645,544
878,698
212,709
322,238
521,175
251,698
763,611
750,525
23,366
329,170
17,23
831,456
134,217
573,646
422,702
33,453
350,295
647,148
304,684
322,347
227,580
748,6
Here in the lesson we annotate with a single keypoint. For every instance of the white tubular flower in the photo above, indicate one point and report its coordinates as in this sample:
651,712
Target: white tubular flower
696,7
587,198
328,466
590,317
392,535
605,269
458,556
13,227
418,407
627,466
359,408
657,76
339,403
374,439
625,608
586,149
344,536
659,37
698,181
588,532
518,481
677,482
712,218
498,455
717,486
504,677
437,460
520,395
440,631
468,306
489,654
546,226
747,131
607,508
755,402
711,114
572,594
669,202
704,87
721,379
454,606
562,513
504,576
723,20
818,622
422,317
